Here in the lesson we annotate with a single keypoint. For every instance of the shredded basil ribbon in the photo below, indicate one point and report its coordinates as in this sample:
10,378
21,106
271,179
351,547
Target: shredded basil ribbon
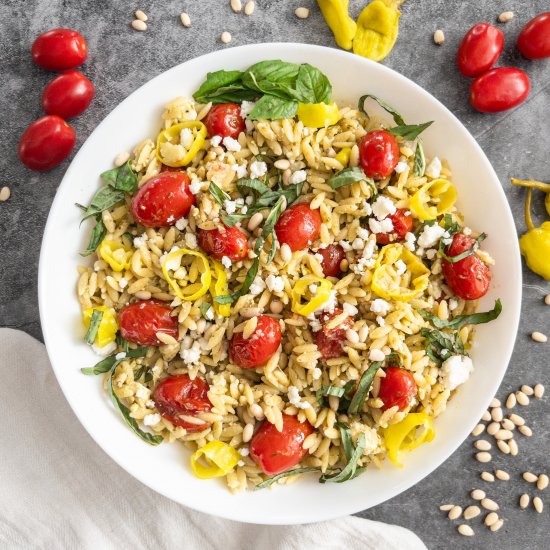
105,365
419,160
296,471
460,320
465,254
95,321
363,387
440,346
352,454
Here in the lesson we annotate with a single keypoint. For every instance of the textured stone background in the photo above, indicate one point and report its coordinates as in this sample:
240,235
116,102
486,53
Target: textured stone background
121,60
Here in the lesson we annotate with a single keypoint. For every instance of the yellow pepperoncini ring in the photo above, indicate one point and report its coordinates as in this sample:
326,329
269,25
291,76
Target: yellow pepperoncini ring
406,436
343,156
440,191
193,291
318,115
108,326
180,155
301,288
384,283
115,254
336,14
377,29
218,287
220,459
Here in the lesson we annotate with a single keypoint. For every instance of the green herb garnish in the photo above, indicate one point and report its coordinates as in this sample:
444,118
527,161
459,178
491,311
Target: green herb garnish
460,320
440,346
363,387
419,160
353,454
465,254
271,480
95,321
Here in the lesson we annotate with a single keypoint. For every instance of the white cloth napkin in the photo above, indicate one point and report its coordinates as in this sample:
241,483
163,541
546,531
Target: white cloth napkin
59,490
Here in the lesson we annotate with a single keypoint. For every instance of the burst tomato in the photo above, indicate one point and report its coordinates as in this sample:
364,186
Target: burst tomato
164,199
397,388
298,227
534,38
378,154
67,95
256,350
479,49
179,395
331,341
468,278
499,89
402,224
139,322
59,49
225,120
224,241
275,451
333,254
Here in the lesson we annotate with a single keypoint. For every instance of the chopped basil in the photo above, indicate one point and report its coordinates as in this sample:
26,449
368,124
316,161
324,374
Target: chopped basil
246,184
111,362
465,254
96,238
218,194
139,373
204,308
450,227
352,454
440,346
95,321
348,176
363,387
325,391
296,471
396,116
347,442
409,132
460,320
419,160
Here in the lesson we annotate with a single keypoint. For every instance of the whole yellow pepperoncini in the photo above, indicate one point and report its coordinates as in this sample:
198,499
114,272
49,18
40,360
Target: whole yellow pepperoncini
336,14
387,285
414,430
439,191
115,254
219,459
318,115
192,291
316,299
172,152
108,326
218,287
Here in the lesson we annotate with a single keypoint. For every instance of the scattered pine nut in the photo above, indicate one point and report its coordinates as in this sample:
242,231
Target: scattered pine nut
497,525
446,507
478,494
139,25
514,449
249,8
439,37
539,337
527,390
511,401
487,476
236,5
529,477
276,306
225,37
483,457
478,430
503,447
542,482
486,416
522,399
254,221
490,519
472,512
493,428
282,164
286,252
538,504
455,512
547,299
141,15
496,414
482,445
524,501
517,419
526,431
489,504
504,435
507,424
5,193
502,475
465,530
185,19
301,13
505,16
539,389
247,432
495,403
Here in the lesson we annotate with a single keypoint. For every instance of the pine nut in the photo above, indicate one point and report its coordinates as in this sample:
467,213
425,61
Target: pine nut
254,221
490,519
526,431
454,512
507,424
527,390
185,19
522,399
276,306
494,403
486,416
257,411
363,333
141,15
472,512
482,445
511,401
504,435
489,504
138,25
286,253
547,299
478,430
250,327
282,164
514,449
493,428
483,457
524,501
249,312
538,504
478,494
5,193
487,476
465,530
497,525
505,16
501,474
247,433
446,507
352,336
529,477
439,37
496,414
249,8
517,419
301,13
539,337
539,389
503,447
542,482
236,5
225,37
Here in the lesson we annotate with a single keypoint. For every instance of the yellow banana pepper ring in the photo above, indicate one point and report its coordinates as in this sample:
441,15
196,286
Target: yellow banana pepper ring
440,191
220,459
219,288
301,288
384,283
115,254
190,292
172,137
318,115
336,14
377,29
343,156
108,326
405,435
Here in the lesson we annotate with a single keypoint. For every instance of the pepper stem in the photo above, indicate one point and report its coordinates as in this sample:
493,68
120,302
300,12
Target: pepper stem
528,218
532,184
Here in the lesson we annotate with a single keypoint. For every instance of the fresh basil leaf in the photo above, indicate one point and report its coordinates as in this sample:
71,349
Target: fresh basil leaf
460,320
273,249
275,71
452,228
347,443
419,160
139,373
325,391
271,480
105,198
231,219
271,219
204,308
465,254
312,85
409,131
347,176
218,194
105,365
396,116
136,353
217,84
245,184
96,237
273,108
123,343
126,179
363,387
277,89
349,471
440,346
81,206
95,321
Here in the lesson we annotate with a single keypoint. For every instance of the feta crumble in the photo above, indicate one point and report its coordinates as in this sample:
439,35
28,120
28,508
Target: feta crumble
209,314
244,451
455,371
231,144
401,167
433,170
122,283
380,320
258,169
191,240
275,283
400,267
230,206
121,355
410,239
151,419
330,304
241,170
195,187
350,309
380,306
226,262
215,140
105,350
430,235
295,399
247,107
186,137
298,177
383,207
192,355
257,286
363,233
140,241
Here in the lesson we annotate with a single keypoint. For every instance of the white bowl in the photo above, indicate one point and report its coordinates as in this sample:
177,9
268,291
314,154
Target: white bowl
166,468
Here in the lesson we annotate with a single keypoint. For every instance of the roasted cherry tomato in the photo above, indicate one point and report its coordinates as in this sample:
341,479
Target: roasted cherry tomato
224,241
468,278
534,38
479,49
67,95
164,199
378,154
46,143
331,341
298,227
225,120
177,396
166,168
59,49
256,350
333,254
397,388
139,322
275,451
402,224
499,89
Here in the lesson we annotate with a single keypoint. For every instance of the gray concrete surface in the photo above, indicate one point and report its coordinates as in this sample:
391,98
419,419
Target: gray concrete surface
121,60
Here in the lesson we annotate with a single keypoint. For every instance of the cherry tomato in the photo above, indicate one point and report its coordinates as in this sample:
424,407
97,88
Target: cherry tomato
225,120
59,49
479,49
166,168
468,278
275,451
298,227
164,199
139,322
331,341
179,395
397,388
402,224
499,89
534,38
224,241
67,95
378,154
46,143
333,254
259,347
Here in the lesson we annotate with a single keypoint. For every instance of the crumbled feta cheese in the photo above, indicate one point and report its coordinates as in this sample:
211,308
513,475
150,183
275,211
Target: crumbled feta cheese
181,224
190,240
192,355
313,289
151,419
330,304
244,209
195,187
295,399
317,373
380,320
215,140
410,239
358,244
377,355
363,233
122,283
455,371
106,350
453,304
257,286
345,245
368,251
258,169
318,257
142,392
209,314
231,144
315,325
226,262
380,306
430,254
386,225
186,137
350,309
275,283
244,451
150,404
467,231
400,267
375,226
433,170
430,235
140,241
401,167
367,208
247,107
249,200
382,207
120,355
241,170
230,206
298,177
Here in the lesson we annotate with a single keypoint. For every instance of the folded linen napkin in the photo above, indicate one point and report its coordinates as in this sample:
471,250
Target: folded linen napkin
60,490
